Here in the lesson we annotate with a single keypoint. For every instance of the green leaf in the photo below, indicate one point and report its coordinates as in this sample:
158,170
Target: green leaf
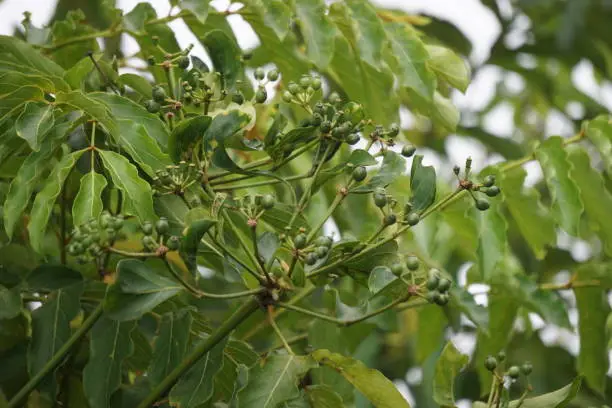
239,356
556,399
276,14
409,61
381,392
10,302
197,7
393,166
35,121
51,329
170,345
382,255
317,30
191,240
110,344
225,55
137,290
138,83
88,204
531,217
26,56
196,386
596,198
547,304
323,396
448,366
95,109
465,302
50,277
382,282
125,177
593,310
493,241
599,131
45,199
185,134
267,244
76,75
566,204
449,66
422,185
224,126
275,381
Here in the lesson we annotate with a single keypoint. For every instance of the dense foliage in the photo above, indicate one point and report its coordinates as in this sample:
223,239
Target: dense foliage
252,228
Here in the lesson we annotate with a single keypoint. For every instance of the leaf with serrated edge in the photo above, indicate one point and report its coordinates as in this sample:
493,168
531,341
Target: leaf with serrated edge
381,392
599,131
566,204
449,364
88,204
45,199
35,121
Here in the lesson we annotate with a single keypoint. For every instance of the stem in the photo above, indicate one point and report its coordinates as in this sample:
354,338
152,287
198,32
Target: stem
193,290
258,257
57,358
133,254
170,79
260,183
289,341
337,200
570,285
492,392
63,226
376,233
200,350
278,331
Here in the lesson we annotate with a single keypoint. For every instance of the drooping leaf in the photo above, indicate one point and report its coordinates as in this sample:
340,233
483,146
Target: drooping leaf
381,392
137,290
198,8
449,66
531,217
191,240
317,30
566,204
275,381
185,134
125,177
109,346
323,396
10,302
45,199
88,204
95,109
225,55
137,83
381,255
393,166
450,363
493,241
599,131
422,184
35,120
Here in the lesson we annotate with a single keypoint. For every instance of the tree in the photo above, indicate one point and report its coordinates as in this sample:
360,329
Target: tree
167,236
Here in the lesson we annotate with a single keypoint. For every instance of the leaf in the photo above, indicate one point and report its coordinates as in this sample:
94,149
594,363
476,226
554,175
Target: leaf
196,386
45,199
381,392
556,399
382,255
493,241
10,302
267,244
448,66
422,184
137,83
593,311
547,304
317,30
50,277
27,56
35,120
51,330
95,109
225,55
197,7
170,345
276,14
109,346
125,177
599,131
88,204
596,198
566,205
393,166
225,125
275,381
382,282
448,366
465,302
191,240
185,134
409,61
323,396
531,217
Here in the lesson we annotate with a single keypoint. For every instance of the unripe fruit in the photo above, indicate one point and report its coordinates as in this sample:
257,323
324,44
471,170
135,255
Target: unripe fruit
273,75
261,95
147,228
397,269
158,93
514,372
323,241
316,83
412,263
299,241
287,96
489,181
482,204
316,119
152,106
408,150
173,243
501,356
149,242
334,98
352,139
456,169
151,60
162,226
492,191
413,219
526,368
183,62
305,82
490,363
310,259
326,126
432,283
238,97
359,173
268,201
118,222
442,299
259,74
444,285
380,200
433,296
321,251
390,219
293,88
394,130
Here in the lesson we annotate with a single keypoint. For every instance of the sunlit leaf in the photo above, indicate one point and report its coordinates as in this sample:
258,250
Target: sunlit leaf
450,363
449,66
35,120
317,30
88,204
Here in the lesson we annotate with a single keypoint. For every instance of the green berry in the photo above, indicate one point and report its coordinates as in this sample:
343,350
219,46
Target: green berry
316,119
111,234
442,299
412,263
456,169
152,106
390,219
259,74
492,191
514,372
261,95
526,368
444,285
394,129
287,96
159,94
353,138
268,201
380,200
432,283
489,181
316,83
162,226
310,259
118,222
183,62
413,219
173,243
293,88
299,241
151,60
326,126
238,97
149,242
482,204
431,296
147,228
321,251
335,98
323,241
359,173
501,356
490,363
397,269
305,82
273,75
408,150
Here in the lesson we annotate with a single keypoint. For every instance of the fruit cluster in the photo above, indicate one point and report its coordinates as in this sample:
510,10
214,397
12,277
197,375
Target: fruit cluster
161,228
487,186
175,179
495,364
311,252
437,287
88,241
253,207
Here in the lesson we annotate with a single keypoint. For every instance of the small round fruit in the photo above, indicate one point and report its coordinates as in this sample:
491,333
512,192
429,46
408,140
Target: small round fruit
442,299
335,98
492,191
359,173
111,234
173,243
412,263
183,62
397,269
152,106
162,226
380,200
147,228
316,119
259,74
501,356
310,259
413,219
482,204
526,368
238,97
151,61
118,222
273,74
394,129
353,139
149,242
294,88
326,126
431,296
305,82
316,83
287,96
323,241
261,95
456,169
514,372
158,93
432,283
408,150
321,251
299,241
490,363
444,285
489,181
268,201
390,219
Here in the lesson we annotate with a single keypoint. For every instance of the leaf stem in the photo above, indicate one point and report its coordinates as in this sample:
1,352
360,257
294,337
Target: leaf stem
199,351
177,275
133,254
262,183
57,358
278,331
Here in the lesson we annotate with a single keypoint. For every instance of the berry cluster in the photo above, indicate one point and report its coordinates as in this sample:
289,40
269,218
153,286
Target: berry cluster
386,204
89,240
310,253
253,207
437,287
156,237
262,79
495,364
302,93
487,186
175,179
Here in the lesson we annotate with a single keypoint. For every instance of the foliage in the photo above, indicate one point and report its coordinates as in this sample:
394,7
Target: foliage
166,237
